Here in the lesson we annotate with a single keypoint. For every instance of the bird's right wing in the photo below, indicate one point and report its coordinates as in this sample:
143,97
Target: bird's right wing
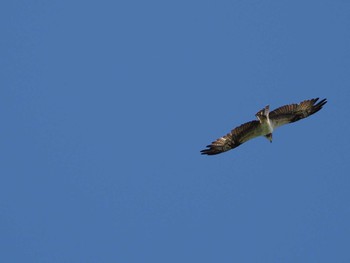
236,137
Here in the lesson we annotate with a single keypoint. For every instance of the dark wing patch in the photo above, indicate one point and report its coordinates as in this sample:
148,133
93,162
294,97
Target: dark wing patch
294,112
235,138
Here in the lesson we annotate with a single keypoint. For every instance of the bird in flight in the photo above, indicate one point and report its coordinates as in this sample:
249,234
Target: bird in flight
265,125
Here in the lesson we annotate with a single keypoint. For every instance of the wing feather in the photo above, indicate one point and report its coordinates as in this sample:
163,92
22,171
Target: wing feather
294,112
236,137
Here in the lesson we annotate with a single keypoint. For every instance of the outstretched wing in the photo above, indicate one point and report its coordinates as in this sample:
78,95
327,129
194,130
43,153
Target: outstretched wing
236,137
294,112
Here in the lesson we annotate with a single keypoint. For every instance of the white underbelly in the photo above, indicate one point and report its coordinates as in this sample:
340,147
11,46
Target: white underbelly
267,127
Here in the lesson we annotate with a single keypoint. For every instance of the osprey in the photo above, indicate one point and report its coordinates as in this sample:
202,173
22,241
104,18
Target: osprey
265,125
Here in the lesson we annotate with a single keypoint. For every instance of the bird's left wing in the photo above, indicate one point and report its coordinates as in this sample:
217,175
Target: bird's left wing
294,112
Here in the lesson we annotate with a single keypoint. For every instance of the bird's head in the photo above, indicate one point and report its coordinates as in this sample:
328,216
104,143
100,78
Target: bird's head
263,114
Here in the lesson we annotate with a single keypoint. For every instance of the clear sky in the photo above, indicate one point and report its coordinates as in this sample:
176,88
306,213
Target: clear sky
105,106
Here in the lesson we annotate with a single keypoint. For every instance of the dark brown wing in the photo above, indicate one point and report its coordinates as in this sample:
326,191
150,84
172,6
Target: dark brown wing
235,138
294,112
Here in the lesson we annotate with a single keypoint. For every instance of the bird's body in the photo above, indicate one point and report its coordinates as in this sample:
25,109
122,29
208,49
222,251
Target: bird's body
265,125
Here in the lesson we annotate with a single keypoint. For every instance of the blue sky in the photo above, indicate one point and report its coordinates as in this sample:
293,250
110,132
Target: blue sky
105,106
